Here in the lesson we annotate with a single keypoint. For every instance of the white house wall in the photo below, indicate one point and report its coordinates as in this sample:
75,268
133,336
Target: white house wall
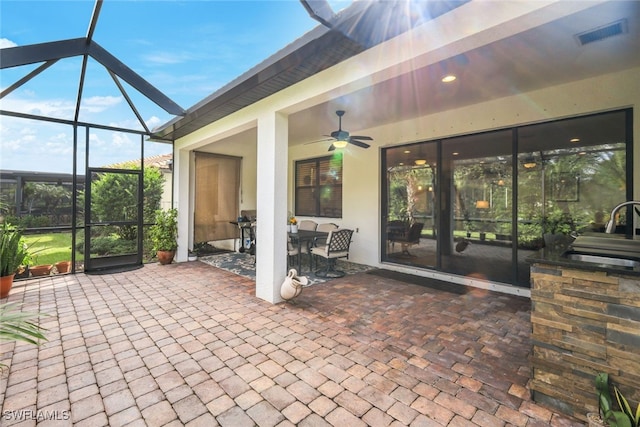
361,204
361,186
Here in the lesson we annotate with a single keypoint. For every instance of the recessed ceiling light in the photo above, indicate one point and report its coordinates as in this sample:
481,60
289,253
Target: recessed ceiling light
448,78
574,140
455,153
421,162
406,151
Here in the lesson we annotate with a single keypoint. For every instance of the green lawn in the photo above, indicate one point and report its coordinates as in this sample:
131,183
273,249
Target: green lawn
50,248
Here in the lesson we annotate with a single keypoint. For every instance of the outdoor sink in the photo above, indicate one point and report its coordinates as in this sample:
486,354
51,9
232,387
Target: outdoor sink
604,260
605,250
606,245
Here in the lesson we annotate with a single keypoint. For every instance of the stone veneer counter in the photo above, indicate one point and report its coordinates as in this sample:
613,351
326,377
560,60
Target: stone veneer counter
585,319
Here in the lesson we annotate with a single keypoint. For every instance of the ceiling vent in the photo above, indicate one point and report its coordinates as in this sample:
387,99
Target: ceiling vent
601,33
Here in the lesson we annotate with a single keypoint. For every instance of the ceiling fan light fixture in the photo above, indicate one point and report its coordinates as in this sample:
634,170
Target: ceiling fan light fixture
340,143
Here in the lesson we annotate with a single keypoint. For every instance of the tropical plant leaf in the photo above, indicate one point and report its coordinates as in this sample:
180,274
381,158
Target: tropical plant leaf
16,325
626,408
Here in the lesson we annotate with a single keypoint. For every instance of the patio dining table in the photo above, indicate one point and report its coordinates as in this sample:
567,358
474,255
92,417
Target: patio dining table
305,237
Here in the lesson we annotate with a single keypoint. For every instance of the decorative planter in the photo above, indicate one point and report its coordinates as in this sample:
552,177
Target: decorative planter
165,257
22,274
41,270
294,228
594,420
292,285
6,282
63,267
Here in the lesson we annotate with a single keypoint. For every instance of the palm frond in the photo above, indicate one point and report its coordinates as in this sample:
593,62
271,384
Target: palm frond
16,325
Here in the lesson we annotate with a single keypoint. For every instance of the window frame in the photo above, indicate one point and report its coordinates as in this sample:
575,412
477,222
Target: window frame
318,186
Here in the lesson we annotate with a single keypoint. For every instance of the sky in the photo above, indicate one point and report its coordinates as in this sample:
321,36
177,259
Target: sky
187,49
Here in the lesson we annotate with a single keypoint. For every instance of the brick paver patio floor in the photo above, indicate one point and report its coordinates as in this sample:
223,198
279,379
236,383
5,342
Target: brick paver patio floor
189,344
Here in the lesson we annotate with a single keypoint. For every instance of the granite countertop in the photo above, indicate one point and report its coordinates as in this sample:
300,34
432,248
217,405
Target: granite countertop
556,256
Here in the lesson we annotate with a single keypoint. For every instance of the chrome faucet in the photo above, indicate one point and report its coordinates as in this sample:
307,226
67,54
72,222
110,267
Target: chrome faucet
611,225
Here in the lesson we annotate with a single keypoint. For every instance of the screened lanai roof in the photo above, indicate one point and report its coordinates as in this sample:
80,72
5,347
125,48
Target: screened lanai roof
45,55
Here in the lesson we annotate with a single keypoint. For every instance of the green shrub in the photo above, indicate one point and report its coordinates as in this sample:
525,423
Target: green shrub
108,245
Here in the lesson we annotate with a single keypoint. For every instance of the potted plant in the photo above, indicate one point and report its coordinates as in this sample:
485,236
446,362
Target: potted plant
41,270
556,228
63,267
606,415
24,268
164,235
468,224
293,223
12,255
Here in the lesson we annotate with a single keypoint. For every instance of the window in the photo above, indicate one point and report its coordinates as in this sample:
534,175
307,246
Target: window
318,187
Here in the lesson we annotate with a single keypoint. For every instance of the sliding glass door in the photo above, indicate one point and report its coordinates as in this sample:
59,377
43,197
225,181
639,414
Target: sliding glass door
409,229
479,205
479,182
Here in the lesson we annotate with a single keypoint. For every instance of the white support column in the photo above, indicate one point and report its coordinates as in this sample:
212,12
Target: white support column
271,233
181,180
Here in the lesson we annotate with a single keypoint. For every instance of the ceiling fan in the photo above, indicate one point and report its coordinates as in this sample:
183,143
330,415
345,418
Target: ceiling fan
342,137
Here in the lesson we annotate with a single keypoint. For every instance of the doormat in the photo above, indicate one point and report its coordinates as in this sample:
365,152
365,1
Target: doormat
439,285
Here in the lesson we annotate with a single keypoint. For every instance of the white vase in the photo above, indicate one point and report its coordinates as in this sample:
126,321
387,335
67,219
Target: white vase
294,228
292,285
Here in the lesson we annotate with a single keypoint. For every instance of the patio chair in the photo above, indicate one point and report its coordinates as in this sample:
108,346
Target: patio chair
410,238
396,229
292,249
307,224
253,236
337,246
292,252
326,227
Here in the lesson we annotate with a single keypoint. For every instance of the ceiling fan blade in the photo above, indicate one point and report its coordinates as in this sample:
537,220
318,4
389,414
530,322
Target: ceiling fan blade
331,147
358,143
320,140
366,138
